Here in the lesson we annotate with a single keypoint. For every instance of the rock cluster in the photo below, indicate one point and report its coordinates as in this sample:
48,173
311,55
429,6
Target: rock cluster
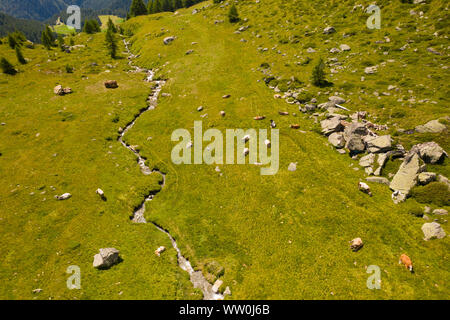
60,91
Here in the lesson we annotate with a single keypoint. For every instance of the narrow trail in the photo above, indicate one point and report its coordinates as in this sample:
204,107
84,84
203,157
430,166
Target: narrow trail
196,277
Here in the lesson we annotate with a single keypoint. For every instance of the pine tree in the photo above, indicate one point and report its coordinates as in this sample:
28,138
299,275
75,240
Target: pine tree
138,8
91,26
188,3
49,32
177,4
7,67
19,56
45,39
61,43
166,6
111,43
318,74
12,41
233,14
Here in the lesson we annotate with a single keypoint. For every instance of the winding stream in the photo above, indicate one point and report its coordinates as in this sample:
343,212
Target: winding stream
196,277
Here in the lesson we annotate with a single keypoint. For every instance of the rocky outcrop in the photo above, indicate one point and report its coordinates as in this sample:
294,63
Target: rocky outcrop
337,140
331,125
426,177
379,144
429,152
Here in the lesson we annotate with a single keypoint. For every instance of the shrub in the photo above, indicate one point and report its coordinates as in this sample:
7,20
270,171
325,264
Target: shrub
436,193
7,67
318,74
69,69
233,14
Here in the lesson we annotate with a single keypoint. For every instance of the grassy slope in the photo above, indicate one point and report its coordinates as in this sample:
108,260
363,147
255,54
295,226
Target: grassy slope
41,237
284,236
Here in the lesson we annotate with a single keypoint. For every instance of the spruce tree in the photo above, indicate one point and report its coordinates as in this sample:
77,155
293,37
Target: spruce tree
45,39
7,67
188,3
166,6
233,15
12,41
111,43
318,74
138,8
177,4
49,32
19,56
61,43
111,26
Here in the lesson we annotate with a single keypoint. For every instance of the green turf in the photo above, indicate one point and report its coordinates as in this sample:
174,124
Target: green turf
268,237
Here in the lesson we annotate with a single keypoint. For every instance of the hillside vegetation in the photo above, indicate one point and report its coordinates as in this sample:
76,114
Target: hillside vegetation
284,236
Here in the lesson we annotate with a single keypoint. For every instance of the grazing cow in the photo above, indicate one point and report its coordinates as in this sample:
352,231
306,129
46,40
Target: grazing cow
406,262
364,188
272,124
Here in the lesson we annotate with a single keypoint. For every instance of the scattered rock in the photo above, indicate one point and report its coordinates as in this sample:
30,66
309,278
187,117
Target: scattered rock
337,139
440,212
222,113
429,152
200,108
60,91
379,144
344,47
160,250
356,244
433,126
106,258
381,180
367,160
227,291
426,177
329,30
216,286
433,230
292,166
371,70
39,290
168,40
355,144
331,125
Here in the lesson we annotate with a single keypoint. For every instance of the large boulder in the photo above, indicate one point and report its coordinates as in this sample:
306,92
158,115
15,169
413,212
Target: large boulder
336,100
429,152
379,144
426,177
406,177
433,230
329,30
433,126
367,160
381,180
331,125
106,258
337,140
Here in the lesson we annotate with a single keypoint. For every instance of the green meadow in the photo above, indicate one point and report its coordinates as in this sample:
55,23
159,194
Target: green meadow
284,236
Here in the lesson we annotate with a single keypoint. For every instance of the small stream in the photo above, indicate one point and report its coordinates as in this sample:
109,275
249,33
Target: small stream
196,277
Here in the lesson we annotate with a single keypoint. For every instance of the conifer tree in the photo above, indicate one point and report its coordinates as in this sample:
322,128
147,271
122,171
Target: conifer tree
188,3
112,26
46,40
12,41
233,15
7,67
318,74
111,43
19,56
